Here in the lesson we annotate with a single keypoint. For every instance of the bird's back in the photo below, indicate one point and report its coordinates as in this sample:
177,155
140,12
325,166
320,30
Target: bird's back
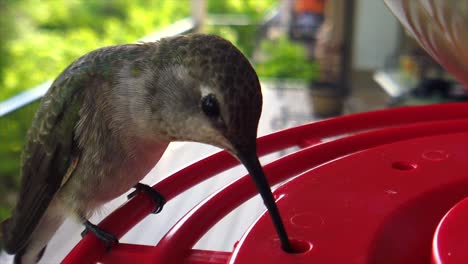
50,144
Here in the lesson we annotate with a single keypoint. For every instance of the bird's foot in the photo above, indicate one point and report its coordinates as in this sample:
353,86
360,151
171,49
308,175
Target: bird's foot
108,238
158,199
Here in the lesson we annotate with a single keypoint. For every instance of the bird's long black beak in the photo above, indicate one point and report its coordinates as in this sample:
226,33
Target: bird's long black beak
251,162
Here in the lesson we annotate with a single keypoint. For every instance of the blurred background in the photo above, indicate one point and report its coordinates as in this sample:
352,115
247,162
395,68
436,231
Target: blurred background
316,58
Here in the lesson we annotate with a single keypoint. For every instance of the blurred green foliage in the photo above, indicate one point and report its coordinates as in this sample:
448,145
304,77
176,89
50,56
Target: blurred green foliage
6,24
282,58
286,60
49,35
244,37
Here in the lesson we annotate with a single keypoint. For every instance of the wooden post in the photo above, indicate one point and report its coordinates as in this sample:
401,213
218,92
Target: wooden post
198,8
329,47
332,52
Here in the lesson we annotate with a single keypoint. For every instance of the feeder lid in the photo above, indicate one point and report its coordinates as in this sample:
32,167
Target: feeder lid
380,205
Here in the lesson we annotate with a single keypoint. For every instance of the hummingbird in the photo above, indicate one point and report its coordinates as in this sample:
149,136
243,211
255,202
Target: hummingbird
107,119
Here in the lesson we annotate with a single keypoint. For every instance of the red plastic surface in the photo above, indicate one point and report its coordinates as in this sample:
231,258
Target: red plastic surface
376,194
380,205
450,243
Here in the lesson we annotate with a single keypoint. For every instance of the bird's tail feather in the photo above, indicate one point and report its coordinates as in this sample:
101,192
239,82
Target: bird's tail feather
4,256
3,227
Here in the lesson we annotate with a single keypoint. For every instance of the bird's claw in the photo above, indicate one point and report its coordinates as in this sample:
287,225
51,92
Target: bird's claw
158,199
108,238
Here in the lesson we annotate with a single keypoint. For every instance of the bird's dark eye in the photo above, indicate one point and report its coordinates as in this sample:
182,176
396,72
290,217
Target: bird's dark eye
210,105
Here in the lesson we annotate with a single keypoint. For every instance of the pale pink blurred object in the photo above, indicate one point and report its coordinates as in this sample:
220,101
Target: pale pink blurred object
441,28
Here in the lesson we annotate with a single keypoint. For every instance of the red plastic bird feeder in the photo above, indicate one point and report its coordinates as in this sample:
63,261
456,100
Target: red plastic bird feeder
391,187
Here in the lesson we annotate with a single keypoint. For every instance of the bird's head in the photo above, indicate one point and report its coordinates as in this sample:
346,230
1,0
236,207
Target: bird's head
206,91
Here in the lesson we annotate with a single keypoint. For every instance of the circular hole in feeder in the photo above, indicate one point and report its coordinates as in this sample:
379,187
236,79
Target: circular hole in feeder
404,165
300,246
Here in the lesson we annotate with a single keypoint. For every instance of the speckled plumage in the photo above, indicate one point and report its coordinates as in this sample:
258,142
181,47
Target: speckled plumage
108,118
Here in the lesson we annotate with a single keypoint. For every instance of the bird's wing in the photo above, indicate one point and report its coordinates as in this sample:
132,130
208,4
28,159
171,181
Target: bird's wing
48,156
51,152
